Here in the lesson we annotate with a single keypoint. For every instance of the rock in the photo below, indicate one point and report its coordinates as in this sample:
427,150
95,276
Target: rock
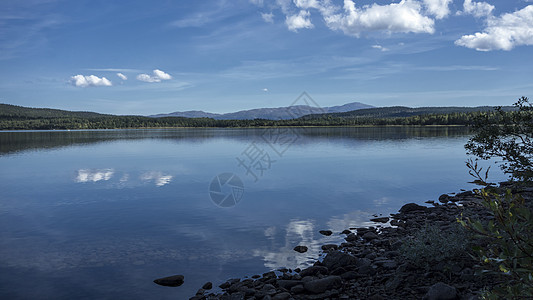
314,270
288,284
321,285
444,198
380,220
326,232
207,286
337,259
409,207
175,280
351,238
370,236
328,247
298,289
281,296
300,249
441,291
346,231
225,285
349,275
362,262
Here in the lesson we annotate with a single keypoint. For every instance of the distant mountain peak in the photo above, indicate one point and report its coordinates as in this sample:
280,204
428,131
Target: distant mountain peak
274,113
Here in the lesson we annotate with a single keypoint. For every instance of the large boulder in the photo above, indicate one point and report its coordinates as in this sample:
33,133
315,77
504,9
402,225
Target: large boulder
337,259
441,291
321,285
409,207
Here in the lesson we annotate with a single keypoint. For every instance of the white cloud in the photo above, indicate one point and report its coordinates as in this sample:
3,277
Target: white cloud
269,18
87,81
379,47
438,8
502,33
477,9
257,2
157,76
85,175
404,17
265,90
162,75
299,21
122,76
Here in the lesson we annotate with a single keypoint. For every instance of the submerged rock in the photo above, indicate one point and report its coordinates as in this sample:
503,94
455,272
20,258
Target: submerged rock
301,249
326,232
173,281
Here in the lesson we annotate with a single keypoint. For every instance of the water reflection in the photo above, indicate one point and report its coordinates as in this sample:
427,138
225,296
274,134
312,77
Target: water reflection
85,175
158,178
305,233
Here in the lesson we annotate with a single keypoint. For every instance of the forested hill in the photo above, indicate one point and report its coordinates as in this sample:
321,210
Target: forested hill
8,111
403,112
16,117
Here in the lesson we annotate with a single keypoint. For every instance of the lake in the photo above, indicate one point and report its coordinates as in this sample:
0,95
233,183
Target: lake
101,214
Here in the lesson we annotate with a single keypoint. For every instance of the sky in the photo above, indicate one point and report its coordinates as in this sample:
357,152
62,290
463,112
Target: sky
148,57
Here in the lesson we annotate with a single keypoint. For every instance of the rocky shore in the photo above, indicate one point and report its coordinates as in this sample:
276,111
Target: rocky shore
423,254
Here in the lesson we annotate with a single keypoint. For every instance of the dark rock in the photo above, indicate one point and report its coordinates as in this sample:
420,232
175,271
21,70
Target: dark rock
300,249
288,284
338,271
256,276
269,275
370,236
175,280
409,207
346,231
380,220
314,270
328,247
362,262
225,285
207,286
349,275
298,289
366,270
326,232
321,285
337,259
351,238
444,198
441,291
281,296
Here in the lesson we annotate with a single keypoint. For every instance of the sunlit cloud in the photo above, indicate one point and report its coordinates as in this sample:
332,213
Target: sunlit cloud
502,33
89,81
122,76
268,17
157,76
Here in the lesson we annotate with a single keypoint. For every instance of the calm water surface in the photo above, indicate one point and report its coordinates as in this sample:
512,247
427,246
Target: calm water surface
100,214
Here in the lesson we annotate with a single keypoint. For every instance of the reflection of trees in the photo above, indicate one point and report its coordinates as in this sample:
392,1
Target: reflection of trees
14,141
303,232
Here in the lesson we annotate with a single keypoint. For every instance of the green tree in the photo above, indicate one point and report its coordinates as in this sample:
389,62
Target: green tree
507,136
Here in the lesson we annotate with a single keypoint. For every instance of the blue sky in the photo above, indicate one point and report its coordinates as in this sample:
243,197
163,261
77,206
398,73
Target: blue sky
146,57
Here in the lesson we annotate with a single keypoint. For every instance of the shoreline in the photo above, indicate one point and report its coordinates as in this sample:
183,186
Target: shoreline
380,262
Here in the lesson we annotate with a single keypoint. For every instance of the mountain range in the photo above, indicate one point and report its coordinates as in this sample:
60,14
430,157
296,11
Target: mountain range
276,113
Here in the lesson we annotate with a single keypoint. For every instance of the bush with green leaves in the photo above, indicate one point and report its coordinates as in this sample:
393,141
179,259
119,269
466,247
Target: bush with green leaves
506,135
507,239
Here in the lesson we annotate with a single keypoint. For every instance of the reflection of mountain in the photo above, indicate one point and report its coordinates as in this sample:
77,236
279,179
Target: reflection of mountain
304,233
11,142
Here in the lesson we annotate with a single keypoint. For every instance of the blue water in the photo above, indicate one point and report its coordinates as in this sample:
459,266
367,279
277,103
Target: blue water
100,214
